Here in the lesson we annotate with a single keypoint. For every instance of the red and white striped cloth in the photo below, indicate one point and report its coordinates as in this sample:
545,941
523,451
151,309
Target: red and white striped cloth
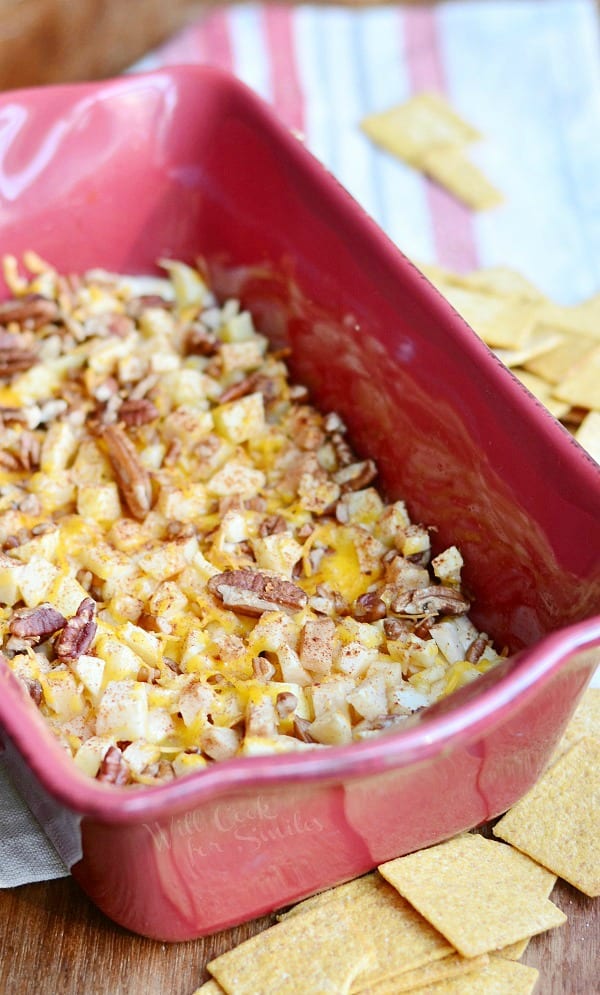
525,72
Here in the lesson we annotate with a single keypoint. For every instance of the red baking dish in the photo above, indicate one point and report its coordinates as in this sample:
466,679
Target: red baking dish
186,162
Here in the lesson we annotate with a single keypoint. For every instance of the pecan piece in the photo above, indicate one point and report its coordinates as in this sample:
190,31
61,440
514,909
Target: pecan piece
285,703
113,769
36,624
34,689
137,412
477,648
31,311
254,383
15,356
250,592
8,415
369,608
262,668
395,628
200,342
436,600
272,525
78,633
355,476
29,451
131,475
301,730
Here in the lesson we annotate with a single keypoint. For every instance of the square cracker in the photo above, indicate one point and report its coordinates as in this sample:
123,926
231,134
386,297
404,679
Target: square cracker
401,938
585,721
476,892
499,977
502,322
410,130
453,966
557,823
314,952
581,384
452,170
554,364
503,281
537,343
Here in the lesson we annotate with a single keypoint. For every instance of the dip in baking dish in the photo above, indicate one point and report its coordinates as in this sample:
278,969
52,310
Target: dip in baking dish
194,563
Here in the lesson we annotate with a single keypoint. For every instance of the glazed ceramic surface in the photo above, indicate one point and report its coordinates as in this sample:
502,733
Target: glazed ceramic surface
187,163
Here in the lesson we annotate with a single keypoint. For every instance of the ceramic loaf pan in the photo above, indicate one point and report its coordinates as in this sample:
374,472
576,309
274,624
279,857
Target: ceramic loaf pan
187,162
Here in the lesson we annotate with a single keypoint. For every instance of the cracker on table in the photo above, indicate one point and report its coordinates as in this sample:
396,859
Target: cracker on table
557,823
581,384
476,892
502,322
401,939
498,977
314,952
453,966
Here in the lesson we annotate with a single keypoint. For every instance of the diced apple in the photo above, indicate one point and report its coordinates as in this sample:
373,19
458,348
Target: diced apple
144,644
241,420
123,711
90,671
100,502
36,579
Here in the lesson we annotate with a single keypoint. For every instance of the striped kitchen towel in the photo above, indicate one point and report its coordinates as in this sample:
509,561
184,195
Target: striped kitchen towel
526,73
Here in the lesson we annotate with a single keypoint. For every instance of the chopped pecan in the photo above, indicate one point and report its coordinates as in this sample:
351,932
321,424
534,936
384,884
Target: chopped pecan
237,390
271,525
355,476
436,600
30,311
36,624
477,648
285,703
255,383
369,608
262,668
8,461
301,730
8,415
29,451
423,627
251,592
200,342
15,356
137,412
179,530
11,542
79,632
162,771
113,769
395,628
131,475
34,689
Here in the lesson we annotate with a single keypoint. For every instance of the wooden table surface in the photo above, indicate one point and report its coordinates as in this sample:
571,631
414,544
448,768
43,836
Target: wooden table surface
53,941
